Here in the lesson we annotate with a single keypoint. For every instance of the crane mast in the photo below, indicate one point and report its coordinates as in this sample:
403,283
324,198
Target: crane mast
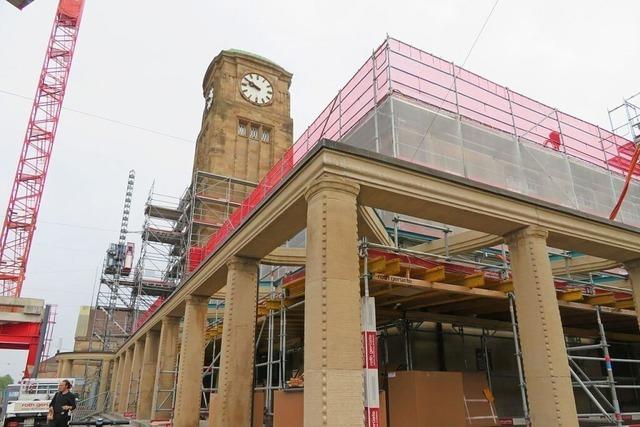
26,194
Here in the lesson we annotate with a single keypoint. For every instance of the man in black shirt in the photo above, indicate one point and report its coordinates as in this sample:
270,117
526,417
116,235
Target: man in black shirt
62,403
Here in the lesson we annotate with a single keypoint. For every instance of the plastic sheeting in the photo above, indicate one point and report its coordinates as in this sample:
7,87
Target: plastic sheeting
416,133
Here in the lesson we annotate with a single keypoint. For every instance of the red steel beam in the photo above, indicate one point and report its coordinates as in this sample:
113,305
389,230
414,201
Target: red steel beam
21,336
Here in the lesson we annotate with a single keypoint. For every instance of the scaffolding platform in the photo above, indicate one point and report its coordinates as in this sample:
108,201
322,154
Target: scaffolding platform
158,211
167,237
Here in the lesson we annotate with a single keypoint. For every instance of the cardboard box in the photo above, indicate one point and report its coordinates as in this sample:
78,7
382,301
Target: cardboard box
258,408
383,408
288,408
426,399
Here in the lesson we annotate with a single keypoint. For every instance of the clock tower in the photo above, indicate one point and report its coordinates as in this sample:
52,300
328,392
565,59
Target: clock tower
246,128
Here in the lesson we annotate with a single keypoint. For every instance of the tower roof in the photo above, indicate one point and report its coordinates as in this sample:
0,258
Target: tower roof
240,52
245,54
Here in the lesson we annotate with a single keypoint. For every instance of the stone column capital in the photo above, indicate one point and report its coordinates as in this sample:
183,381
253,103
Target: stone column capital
242,262
332,183
168,320
151,332
529,232
197,299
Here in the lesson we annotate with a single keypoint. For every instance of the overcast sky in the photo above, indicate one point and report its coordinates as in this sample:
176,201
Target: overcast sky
142,62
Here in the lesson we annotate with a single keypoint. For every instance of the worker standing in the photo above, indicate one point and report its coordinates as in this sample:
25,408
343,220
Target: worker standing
61,405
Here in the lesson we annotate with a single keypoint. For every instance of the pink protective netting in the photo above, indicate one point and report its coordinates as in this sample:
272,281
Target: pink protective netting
396,67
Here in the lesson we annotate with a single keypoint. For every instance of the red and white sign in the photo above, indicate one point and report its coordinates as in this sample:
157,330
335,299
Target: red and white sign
370,363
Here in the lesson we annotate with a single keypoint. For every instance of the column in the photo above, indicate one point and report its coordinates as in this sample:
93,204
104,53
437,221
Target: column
125,379
104,380
147,375
546,368
162,404
333,393
633,268
59,371
78,368
116,383
235,384
134,383
189,386
67,367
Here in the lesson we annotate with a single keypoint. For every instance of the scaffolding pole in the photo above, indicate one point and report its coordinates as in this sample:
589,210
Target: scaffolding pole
607,360
609,408
518,355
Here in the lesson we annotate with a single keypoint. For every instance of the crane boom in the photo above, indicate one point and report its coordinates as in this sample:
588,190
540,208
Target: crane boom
24,201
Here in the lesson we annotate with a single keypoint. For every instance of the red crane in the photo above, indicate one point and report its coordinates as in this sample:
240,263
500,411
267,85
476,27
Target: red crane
24,201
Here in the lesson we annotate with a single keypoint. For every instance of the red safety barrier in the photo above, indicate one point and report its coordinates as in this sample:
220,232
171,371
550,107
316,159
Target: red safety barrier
147,314
196,254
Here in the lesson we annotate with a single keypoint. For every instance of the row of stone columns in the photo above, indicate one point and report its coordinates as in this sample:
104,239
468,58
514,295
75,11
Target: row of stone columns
142,380
332,345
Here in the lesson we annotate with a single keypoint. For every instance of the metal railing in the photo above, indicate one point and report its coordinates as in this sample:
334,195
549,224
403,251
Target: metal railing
89,407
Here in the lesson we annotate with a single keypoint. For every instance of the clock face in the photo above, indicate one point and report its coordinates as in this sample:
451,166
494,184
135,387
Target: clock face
256,89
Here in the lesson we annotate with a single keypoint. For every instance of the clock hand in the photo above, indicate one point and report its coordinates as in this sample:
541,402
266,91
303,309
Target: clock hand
252,84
